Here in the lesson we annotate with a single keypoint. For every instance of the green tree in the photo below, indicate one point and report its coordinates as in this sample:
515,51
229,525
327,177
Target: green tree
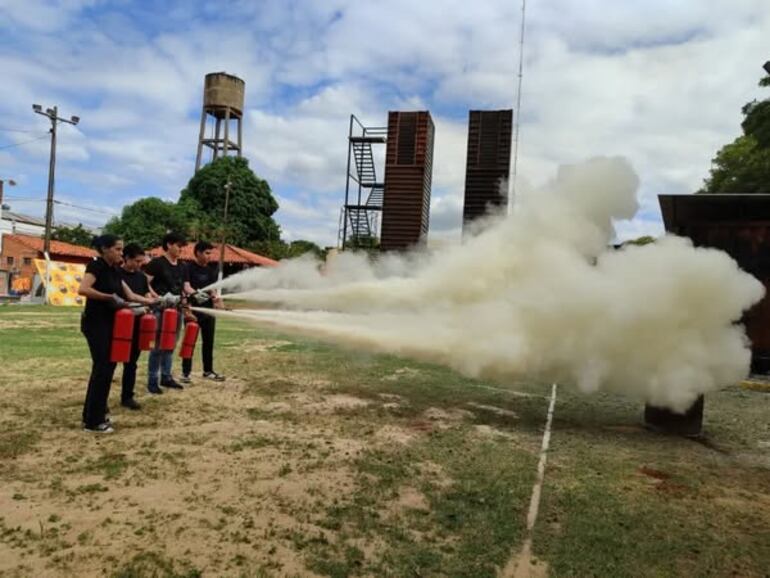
147,220
77,235
251,206
743,166
301,247
643,240
275,249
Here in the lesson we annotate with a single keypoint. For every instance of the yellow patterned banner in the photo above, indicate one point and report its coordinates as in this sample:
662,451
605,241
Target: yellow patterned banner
65,280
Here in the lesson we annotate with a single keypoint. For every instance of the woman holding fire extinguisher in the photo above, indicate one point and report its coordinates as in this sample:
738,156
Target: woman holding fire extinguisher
105,292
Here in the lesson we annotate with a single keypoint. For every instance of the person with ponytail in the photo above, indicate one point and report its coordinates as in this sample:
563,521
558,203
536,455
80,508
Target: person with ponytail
105,292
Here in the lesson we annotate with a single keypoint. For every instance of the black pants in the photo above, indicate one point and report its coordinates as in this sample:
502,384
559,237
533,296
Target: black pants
98,334
129,369
207,324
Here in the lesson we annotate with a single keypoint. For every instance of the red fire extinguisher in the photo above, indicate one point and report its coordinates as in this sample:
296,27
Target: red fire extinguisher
188,343
168,329
122,332
148,325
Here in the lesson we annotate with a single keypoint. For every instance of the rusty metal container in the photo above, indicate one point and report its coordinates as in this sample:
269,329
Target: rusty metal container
740,226
408,176
664,420
488,163
222,91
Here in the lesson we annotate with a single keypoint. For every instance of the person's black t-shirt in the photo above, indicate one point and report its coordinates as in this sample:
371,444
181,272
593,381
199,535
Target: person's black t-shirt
108,280
166,278
136,281
200,276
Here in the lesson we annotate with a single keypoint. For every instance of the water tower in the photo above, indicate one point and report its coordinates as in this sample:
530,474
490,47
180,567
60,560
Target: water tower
223,96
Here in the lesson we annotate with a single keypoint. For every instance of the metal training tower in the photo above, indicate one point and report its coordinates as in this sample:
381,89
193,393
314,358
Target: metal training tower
359,217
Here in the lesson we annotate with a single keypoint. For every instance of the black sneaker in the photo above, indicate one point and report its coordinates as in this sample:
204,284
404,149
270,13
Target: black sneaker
102,428
185,379
154,389
131,404
213,376
171,383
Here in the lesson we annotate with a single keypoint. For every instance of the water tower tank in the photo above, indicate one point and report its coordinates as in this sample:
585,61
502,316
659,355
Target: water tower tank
223,97
222,90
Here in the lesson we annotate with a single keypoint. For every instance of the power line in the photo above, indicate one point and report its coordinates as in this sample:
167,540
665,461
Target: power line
102,211
57,202
6,129
18,144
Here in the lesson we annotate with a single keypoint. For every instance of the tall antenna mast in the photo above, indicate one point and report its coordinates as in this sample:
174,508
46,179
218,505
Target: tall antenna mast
518,105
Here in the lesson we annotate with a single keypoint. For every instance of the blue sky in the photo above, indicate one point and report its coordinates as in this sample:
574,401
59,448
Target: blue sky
659,84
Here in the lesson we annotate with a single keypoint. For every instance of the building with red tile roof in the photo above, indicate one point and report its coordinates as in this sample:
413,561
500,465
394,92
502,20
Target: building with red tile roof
234,256
19,252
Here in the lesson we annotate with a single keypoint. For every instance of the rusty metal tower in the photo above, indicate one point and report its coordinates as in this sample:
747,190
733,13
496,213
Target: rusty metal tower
488,165
408,176
223,96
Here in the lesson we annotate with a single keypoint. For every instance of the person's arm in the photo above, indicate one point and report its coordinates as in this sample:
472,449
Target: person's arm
187,288
150,271
87,290
136,298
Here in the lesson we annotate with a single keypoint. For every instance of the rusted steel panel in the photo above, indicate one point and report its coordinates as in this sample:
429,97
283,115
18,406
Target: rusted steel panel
408,175
488,162
740,226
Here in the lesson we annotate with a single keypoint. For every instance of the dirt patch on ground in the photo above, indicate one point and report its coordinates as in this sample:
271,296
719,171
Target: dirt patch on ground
657,475
524,565
488,431
192,475
310,403
391,433
445,418
262,345
494,409
412,499
401,373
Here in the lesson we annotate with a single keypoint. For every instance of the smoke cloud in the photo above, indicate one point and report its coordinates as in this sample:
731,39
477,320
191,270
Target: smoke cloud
539,294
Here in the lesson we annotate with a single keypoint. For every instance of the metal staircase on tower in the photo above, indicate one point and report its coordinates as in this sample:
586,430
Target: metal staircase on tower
359,217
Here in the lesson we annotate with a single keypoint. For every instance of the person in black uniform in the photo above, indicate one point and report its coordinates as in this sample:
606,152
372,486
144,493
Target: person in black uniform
202,273
105,292
166,275
133,276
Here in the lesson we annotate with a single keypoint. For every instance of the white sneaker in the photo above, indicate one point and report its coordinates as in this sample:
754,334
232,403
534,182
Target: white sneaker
102,428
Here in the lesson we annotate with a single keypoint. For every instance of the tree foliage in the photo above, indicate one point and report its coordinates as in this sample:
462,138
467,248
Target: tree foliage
281,250
199,214
643,240
147,220
251,203
77,235
743,166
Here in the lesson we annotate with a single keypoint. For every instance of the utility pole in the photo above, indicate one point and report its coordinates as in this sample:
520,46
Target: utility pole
11,183
53,116
220,273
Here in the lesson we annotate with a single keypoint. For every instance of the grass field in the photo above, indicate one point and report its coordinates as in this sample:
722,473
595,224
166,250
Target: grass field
317,461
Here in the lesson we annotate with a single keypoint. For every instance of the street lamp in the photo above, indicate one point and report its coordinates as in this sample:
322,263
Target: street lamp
766,66
53,115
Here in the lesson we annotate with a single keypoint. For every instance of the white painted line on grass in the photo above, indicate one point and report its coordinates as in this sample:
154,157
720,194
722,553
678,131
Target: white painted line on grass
534,502
522,565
